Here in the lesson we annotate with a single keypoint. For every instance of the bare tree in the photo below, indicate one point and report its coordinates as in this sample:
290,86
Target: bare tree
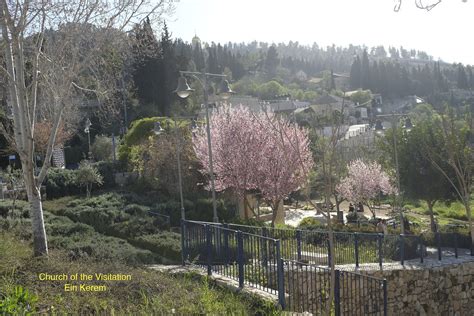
456,137
420,4
55,55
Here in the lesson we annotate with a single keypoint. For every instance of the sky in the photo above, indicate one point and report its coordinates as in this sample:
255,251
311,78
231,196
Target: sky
443,32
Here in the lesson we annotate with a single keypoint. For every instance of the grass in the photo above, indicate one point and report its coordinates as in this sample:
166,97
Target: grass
445,213
147,293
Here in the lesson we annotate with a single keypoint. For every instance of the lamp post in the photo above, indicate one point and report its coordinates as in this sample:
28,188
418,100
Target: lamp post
159,130
87,131
379,130
183,91
178,158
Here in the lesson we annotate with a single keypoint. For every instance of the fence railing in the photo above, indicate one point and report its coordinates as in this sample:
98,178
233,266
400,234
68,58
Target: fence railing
247,258
358,248
309,285
165,218
357,294
257,261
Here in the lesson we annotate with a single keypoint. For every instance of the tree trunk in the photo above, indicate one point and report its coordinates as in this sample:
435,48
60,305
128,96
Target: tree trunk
371,209
432,219
274,207
40,244
340,215
332,284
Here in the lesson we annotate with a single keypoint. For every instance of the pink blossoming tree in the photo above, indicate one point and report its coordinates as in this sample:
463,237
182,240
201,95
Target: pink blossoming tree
249,153
364,182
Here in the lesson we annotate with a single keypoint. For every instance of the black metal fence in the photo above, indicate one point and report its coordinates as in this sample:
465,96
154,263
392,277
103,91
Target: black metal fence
247,258
253,258
309,285
312,246
357,294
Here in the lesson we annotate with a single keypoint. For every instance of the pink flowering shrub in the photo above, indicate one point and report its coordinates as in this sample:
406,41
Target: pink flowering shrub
364,182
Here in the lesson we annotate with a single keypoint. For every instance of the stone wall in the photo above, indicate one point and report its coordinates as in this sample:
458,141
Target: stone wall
436,290
443,290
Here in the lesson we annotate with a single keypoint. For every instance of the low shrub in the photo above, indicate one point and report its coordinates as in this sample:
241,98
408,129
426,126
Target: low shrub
136,210
354,217
136,226
203,211
166,244
21,209
101,248
311,222
61,182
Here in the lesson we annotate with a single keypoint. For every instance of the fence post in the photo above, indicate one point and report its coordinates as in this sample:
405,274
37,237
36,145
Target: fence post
209,249
385,298
455,245
183,243
264,247
280,276
337,293
356,248
226,244
329,253
379,243
402,249
420,241
298,244
240,258
438,242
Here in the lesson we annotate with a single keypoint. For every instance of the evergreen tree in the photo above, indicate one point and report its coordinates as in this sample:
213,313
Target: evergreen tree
355,75
365,71
462,82
147,65
169,74
271,61
332,85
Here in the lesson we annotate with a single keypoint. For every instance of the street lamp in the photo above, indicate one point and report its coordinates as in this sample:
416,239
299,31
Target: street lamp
87,131
183,91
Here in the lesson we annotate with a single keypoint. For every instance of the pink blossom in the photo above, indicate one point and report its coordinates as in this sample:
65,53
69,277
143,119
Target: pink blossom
364,182
255,151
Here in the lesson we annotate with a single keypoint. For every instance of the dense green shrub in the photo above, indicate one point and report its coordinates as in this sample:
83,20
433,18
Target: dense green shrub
173,210
311,222
63,226
109,214
137,210
107,169
102,148
136,226
21,209
166,244
81,240
202,210
61,182
139,130
100,248
354,217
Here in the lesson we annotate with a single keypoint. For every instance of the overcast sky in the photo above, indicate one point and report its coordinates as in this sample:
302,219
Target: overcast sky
444,32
